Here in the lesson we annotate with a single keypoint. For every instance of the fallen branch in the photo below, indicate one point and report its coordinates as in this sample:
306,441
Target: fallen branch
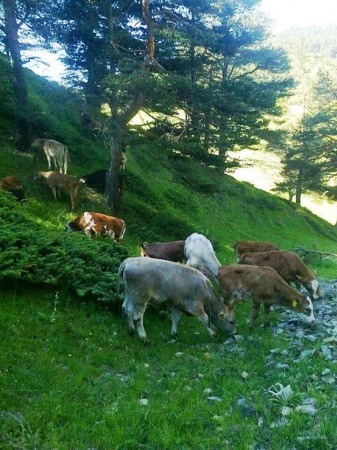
305,252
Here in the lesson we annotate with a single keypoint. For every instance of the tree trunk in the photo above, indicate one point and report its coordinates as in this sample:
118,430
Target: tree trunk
19,83
299,187
115,173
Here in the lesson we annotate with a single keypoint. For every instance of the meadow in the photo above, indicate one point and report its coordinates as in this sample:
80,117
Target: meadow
70,375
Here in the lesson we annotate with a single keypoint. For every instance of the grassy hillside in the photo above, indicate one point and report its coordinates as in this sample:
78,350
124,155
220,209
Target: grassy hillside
72,378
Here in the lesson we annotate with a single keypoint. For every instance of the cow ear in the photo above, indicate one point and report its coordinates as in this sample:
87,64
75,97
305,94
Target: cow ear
294,303
221,315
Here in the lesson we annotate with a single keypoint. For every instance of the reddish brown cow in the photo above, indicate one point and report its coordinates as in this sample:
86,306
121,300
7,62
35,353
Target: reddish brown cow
94,224
13,185
264,286
170,251
288,265
241,247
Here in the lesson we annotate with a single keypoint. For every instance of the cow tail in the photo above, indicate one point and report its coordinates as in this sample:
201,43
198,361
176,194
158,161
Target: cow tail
119,276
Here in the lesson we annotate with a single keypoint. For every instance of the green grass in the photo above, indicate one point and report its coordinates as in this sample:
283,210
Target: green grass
70,375
71,378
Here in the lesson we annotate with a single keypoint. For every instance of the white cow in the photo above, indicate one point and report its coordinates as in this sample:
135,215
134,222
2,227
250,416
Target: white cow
54,151
199,253
164,282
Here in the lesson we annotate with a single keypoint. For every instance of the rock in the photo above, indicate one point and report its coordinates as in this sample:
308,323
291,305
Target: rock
286,410
306,409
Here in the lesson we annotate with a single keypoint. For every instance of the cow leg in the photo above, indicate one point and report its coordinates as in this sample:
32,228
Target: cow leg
73,197
54,191
60,163
127,307
255,313
203,319
49,160
267,307
138,315
176,316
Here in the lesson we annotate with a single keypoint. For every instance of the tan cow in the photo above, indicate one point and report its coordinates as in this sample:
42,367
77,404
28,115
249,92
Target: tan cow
54,151
94,224
241,247
170,251
263,286
57,181
13,185
164,282
287,264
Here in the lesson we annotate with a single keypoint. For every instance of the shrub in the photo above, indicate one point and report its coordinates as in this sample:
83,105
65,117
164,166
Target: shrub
30,253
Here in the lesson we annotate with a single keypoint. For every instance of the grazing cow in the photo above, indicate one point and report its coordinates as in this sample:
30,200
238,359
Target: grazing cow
170,251
94,224
57,180
287,264
186,289
13,185
199,253
54,151
262,285
96,180
241,247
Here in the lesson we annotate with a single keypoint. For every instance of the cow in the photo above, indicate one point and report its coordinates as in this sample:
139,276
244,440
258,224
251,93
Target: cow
96,180
199,253
170,251
241,247
287,264
13,185
54,151
96,224
263,286
57,181
184,288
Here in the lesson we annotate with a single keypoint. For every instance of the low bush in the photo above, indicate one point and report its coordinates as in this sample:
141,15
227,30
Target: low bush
30,253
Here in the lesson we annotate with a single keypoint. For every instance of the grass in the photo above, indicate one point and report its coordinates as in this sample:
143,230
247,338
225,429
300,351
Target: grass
73,378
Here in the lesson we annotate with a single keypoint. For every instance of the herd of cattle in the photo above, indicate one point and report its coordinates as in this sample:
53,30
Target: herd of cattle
178,273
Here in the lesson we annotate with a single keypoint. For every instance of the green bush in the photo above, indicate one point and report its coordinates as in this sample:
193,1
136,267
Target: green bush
30,253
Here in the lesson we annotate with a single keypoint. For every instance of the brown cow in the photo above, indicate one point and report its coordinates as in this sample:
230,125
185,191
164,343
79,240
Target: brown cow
241,247
13,185
170,251
57,180
287,264
262,285
94,224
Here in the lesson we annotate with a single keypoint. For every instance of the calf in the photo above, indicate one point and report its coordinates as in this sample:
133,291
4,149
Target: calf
287,264
241,247
186,289
94,224
170,251
57,180
13,185
199,253
54,151
264,286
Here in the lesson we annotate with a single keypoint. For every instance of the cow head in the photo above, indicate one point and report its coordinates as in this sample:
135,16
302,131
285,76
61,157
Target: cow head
312,286
304,305
224,320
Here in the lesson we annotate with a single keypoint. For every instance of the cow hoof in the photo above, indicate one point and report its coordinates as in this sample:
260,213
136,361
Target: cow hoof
174,335
145,341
